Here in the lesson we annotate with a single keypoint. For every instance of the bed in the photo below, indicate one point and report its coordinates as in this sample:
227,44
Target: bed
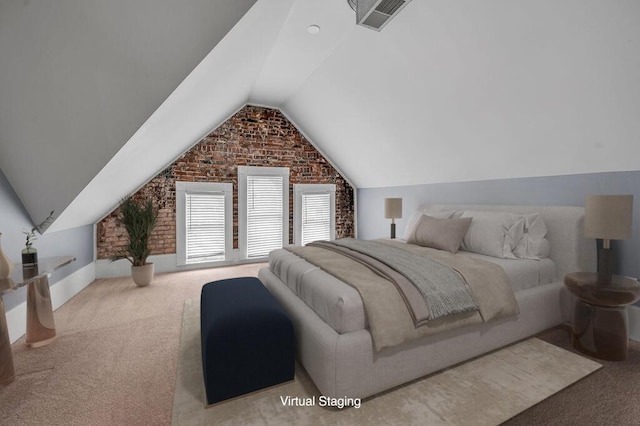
334,339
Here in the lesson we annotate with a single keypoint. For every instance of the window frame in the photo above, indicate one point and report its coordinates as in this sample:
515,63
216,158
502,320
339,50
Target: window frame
182,188
313,188
243,173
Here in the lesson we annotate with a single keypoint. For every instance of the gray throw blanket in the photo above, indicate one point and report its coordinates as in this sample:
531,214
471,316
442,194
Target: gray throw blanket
443,291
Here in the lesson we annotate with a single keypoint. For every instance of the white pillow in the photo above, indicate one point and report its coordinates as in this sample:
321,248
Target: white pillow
493,233
414,220
545,248
533,244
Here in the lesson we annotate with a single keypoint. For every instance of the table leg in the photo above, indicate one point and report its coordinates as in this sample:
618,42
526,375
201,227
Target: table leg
41,329
600,331
7,371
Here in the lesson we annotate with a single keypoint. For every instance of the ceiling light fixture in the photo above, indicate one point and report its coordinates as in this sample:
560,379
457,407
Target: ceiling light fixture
313,29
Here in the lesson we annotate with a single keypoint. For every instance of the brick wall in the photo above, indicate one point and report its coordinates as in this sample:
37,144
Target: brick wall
254,136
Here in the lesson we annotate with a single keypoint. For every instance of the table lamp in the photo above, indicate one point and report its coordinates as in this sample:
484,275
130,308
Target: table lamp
607,217
393,210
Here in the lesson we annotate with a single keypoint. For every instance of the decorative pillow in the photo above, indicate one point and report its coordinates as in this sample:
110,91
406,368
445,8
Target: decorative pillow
414,220
533,244
442,234
493,233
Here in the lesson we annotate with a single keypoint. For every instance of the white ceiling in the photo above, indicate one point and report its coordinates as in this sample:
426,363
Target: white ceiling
447,91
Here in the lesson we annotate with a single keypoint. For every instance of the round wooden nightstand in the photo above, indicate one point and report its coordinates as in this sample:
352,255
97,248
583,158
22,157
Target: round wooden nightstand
600,318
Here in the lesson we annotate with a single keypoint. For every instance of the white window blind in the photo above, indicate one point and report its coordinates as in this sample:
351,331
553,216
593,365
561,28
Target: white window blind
204,222
264,215
316,217
314,213
205,227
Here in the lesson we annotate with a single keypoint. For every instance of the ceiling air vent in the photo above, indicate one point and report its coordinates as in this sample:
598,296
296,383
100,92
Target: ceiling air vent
375,14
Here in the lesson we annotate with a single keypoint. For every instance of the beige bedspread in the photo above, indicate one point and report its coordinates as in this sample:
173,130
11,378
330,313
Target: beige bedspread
430,289
390,321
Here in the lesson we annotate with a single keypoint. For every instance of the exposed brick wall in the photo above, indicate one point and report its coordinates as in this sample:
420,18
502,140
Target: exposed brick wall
254,136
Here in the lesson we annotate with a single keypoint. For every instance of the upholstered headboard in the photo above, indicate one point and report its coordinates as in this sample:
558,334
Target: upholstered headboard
570,250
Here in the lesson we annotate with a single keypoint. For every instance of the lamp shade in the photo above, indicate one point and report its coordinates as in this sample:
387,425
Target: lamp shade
393,208
608,217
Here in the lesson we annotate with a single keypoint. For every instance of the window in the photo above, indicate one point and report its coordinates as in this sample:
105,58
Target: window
263,210
314,213
204,223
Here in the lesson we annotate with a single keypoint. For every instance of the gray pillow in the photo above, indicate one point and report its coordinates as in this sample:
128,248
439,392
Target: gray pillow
442,234
414,220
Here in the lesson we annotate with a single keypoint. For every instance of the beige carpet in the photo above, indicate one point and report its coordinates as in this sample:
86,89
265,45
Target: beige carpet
486,391
114,360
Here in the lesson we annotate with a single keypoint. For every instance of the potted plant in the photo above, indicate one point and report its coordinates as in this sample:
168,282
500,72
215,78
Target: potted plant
30,253
139,219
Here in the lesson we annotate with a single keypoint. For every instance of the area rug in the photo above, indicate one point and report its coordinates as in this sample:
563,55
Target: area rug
484,391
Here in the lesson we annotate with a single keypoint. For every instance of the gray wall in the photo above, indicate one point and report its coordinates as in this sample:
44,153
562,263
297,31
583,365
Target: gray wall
567,190
76,242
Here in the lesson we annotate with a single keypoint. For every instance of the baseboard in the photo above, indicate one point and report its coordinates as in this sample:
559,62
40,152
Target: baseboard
633,314
163,263
61,292
122,268
17,321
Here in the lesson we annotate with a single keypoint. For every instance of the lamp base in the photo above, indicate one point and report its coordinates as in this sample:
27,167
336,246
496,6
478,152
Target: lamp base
393,231
605,265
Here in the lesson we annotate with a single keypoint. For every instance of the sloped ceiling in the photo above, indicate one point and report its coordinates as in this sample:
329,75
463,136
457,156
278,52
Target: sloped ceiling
447,91
78,78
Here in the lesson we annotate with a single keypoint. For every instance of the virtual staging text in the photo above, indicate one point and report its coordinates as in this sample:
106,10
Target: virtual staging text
321,401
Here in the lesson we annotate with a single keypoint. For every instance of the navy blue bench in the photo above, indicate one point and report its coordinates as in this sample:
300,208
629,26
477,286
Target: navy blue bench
247,339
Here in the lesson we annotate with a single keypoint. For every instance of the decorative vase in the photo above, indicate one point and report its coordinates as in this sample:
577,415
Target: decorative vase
142,275
29,256
6,266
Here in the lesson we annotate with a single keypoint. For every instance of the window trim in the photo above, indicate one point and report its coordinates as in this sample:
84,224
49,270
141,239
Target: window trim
243,173
313,188
182,188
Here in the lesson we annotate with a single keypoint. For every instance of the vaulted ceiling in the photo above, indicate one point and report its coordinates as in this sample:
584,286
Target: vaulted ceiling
96,97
